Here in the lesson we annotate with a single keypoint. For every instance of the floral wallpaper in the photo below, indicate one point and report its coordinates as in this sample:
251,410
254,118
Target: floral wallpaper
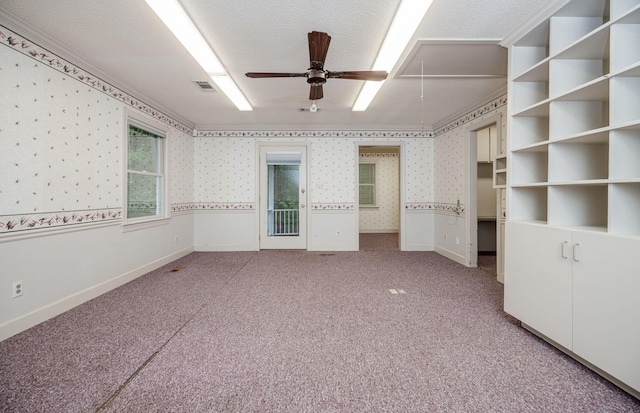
225,166
61,143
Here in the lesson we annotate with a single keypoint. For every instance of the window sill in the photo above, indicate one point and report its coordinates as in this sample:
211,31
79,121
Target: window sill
371,207
135,225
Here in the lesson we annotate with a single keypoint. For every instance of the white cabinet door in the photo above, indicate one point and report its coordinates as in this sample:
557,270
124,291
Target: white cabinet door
538,280
484,145
606,304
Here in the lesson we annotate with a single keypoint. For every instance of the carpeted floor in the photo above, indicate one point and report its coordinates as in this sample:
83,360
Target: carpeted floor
283,331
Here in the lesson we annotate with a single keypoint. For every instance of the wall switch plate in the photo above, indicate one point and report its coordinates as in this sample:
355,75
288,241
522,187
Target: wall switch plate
18,289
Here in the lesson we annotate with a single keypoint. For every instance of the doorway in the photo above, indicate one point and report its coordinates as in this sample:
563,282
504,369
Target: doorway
483,214
379,196
283,197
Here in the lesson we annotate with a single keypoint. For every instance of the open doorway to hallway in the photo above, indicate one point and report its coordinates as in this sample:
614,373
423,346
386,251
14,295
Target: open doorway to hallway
379,183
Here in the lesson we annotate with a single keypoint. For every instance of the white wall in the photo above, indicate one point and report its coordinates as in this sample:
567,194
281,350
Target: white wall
62,157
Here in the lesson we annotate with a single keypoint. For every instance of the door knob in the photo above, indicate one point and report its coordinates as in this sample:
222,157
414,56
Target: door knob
302,190
301,205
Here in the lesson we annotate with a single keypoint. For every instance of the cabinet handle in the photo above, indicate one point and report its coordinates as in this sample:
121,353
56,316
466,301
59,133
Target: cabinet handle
575,252
564,250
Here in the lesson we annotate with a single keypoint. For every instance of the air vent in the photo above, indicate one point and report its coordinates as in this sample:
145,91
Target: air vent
204,85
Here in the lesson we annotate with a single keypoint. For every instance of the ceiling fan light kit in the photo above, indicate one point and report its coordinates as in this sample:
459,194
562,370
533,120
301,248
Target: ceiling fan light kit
316,74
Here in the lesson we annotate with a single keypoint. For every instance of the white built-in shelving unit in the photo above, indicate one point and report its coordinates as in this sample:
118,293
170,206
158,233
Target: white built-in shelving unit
574,182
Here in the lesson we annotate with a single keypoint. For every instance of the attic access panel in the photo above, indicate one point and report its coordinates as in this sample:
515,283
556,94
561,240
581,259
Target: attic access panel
456,58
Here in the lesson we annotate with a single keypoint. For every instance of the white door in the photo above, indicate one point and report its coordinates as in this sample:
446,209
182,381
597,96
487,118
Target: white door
606,307
283,197
538,285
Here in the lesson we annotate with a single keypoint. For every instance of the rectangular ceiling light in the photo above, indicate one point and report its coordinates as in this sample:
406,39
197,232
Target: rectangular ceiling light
408,16
177,20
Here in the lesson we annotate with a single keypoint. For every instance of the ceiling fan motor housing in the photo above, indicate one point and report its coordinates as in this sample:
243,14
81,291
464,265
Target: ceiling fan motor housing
316,77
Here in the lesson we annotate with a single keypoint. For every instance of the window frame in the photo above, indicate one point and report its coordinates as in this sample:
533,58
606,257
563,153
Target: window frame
374,184
162,216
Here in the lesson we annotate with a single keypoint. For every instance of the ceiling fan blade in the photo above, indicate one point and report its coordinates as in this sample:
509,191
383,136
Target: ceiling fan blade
359,75
318,48
270,74
316,92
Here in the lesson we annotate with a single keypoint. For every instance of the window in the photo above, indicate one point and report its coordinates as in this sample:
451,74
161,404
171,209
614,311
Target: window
367,187
145,188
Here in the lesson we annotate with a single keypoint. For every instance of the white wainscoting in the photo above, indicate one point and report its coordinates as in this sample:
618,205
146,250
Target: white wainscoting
453,227
64,270
333,230
419,230
226,230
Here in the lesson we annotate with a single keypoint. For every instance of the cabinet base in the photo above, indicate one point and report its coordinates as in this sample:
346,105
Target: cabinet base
635,393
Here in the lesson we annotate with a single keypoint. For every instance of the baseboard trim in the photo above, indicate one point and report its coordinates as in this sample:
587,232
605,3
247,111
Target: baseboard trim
33,318
225,248
418,247
451,255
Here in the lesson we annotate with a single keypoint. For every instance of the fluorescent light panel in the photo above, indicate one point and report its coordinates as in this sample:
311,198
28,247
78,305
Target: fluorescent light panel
408,16
177,20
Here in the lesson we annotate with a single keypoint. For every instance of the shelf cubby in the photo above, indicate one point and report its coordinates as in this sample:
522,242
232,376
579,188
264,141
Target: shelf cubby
566,75
529,204
501,163
576,161
625,100
624,152
564,31
529,166
624,46
572,117
528,130
527,94
530,50
624,218
625,10
578,206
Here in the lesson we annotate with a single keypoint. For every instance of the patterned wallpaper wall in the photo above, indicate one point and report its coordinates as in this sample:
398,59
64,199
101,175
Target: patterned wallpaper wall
450,154
61,145
225,168
386,216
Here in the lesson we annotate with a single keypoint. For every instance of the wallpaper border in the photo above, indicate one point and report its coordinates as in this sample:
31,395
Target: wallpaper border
310,134
436,206
40,54
10,224
475,114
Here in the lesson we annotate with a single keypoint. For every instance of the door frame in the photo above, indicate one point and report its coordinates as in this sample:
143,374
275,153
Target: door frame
261,199
471,216
401,187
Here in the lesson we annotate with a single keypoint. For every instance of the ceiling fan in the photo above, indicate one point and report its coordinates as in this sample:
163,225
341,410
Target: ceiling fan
316,74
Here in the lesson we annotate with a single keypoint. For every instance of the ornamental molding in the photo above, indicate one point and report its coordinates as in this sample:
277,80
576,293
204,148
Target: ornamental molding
23,222
311,134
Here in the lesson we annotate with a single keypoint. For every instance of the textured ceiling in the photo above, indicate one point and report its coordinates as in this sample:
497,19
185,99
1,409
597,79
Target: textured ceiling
124,42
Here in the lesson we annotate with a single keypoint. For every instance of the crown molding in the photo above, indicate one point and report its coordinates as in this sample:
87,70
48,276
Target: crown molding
544,13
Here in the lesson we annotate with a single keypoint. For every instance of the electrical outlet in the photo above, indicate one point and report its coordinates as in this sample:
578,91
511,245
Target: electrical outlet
338,233
18,289
457,240
177,239
445,237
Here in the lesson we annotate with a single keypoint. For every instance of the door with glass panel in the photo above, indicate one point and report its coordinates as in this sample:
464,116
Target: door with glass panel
283,197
